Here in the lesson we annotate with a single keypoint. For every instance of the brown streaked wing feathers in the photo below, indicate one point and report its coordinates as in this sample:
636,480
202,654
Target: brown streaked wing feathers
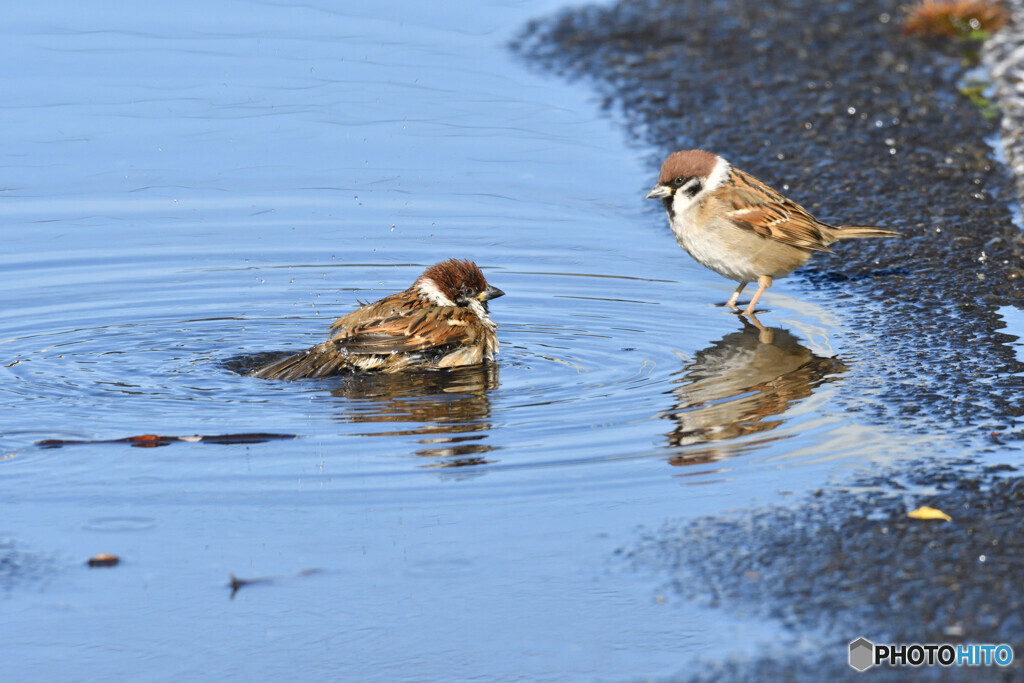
390,306
412,332
770,214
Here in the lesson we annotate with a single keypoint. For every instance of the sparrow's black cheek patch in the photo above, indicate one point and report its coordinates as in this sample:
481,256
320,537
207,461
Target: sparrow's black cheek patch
693,189
667,201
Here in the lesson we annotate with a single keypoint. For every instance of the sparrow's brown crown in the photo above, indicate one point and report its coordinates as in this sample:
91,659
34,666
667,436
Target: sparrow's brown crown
456,279
689,163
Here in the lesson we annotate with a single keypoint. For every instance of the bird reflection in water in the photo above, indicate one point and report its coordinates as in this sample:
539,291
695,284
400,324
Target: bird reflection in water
448,409
737,386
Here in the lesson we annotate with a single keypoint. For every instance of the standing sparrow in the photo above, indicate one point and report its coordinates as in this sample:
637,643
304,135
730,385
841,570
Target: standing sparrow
441,321
739,227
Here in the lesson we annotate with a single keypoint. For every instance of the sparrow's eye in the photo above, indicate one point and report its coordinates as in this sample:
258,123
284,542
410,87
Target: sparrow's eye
678,182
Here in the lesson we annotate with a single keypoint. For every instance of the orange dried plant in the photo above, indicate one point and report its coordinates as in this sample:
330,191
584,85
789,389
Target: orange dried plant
954,18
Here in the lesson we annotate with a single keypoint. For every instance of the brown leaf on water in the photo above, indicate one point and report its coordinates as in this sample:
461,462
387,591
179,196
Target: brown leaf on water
104,560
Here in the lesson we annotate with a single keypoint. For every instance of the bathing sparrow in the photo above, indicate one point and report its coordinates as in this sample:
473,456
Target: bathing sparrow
441,321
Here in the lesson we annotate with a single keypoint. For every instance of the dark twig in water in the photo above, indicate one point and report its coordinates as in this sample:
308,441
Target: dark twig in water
236,583
157,440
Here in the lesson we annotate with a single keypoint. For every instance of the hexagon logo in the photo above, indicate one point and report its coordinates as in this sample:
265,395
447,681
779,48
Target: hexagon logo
862,654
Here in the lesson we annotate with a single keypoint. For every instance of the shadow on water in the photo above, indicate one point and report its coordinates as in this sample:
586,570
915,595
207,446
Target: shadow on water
21,566
449,409
742,385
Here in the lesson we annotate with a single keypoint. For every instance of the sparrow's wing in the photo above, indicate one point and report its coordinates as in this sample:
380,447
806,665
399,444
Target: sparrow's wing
414,331
390,306
752,205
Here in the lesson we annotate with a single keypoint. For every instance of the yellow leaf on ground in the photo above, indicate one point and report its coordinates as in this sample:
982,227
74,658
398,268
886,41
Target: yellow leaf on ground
925,512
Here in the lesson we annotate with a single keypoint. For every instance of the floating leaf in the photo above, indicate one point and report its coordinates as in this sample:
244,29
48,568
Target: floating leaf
925,512
104,560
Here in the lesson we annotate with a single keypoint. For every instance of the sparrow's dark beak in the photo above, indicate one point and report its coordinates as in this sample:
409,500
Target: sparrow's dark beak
490,293
659,192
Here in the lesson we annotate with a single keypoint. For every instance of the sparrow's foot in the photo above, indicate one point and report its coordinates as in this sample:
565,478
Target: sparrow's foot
749,311
731,303
743,312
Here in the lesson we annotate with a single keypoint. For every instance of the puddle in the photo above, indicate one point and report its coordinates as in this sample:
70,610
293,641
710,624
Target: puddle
195,197
1014,319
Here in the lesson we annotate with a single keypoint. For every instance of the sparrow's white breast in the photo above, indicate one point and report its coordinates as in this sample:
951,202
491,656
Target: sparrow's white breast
719,245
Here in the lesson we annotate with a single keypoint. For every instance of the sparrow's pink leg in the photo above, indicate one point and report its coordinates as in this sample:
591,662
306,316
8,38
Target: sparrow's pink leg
731,303
763,283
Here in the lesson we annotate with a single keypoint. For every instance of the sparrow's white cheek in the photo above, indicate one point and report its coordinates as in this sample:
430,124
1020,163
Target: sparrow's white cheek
429,290
719,175
681,202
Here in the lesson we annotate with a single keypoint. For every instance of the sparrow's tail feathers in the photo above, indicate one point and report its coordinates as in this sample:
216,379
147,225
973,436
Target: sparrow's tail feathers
845,232
320,361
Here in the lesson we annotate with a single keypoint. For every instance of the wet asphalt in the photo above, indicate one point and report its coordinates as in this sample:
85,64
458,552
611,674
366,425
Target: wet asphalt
864,126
